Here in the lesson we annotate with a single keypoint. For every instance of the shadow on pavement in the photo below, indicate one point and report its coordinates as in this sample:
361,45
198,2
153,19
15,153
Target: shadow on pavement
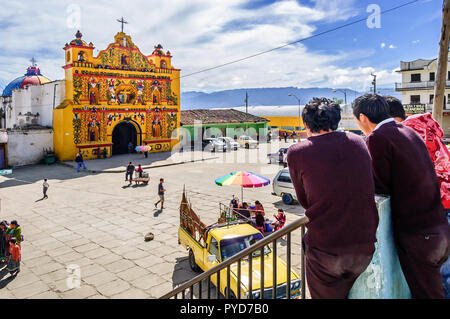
6,281
157,213
139,185
182,273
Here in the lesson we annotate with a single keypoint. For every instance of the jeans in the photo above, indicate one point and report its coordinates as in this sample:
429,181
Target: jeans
79,165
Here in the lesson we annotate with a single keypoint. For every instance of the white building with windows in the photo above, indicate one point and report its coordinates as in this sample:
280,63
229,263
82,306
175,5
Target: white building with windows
417,87
26,118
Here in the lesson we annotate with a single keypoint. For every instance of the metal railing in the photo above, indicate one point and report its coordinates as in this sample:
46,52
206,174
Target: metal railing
248,253
418,85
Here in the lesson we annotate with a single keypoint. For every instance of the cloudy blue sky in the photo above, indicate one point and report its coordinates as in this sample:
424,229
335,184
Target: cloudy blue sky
203,33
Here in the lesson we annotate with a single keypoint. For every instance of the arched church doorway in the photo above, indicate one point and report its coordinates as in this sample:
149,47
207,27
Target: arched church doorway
124,133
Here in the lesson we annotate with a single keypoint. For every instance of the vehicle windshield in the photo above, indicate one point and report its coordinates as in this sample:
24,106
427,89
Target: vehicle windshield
245,138
230,247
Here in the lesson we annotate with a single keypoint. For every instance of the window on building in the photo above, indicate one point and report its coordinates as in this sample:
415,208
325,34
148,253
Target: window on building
432,76
448,75
287,128
431,98
415,77
415,99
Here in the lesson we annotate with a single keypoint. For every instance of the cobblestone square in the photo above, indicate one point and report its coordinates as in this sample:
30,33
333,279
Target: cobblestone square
95,223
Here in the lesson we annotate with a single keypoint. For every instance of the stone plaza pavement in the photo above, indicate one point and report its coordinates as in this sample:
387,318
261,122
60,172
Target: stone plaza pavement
95,223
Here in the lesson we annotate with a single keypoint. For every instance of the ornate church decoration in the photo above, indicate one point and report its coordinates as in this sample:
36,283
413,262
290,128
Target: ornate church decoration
119,85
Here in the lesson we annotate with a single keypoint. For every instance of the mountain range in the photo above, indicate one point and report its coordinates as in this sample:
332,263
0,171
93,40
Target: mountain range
265,96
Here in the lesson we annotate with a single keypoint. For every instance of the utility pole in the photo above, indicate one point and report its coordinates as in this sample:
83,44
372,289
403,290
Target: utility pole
374,83
246,102
299,113
441,72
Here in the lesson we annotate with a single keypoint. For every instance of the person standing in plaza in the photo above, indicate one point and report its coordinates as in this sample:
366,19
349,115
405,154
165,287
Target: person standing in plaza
14,257
80,162
139,170
161,191
14,230
130,147
4,243
45,187
332,176
403,169
130,171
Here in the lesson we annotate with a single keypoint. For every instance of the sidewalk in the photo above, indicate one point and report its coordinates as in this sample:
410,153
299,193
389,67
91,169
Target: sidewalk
118,163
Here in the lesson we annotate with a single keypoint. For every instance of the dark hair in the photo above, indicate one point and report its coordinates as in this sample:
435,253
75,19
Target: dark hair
161,179
14,222
373,106
13,240
281,210
45,179
396,108
321,114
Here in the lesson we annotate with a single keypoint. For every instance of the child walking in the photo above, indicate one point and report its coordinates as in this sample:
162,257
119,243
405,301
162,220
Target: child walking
45,187
14,257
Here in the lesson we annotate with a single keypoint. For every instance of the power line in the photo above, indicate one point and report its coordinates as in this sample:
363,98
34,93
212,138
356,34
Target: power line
297,41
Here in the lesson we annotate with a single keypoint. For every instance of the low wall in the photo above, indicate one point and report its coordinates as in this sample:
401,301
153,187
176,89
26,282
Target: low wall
26,147
383,278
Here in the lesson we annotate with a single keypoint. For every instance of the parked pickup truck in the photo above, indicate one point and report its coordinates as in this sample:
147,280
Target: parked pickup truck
210,245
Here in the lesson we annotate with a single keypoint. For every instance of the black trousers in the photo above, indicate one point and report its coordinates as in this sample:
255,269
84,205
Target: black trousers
421,257
129,174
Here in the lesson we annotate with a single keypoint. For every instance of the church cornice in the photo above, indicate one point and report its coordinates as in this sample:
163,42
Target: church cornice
78,47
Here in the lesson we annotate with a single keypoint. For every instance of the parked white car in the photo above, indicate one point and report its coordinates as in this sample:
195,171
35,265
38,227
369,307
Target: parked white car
229,142
283,187
247,142
213,145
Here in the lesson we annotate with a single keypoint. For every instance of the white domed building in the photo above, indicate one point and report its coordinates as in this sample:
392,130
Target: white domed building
26,117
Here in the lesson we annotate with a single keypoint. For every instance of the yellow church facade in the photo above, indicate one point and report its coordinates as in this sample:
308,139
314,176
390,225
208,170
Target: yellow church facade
116,100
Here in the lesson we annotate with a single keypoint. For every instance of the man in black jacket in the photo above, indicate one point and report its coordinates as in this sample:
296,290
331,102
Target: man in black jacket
130,171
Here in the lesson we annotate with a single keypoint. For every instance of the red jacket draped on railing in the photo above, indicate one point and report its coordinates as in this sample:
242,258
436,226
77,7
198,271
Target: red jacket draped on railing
431,133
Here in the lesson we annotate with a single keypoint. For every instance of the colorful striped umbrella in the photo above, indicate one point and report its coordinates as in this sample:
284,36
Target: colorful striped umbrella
243,179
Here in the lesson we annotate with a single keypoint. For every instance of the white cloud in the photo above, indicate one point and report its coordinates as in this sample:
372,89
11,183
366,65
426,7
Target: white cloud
392,46
199,34
383,45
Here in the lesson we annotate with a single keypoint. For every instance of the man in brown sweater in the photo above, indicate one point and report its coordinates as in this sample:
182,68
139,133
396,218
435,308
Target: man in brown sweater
332,177
403,169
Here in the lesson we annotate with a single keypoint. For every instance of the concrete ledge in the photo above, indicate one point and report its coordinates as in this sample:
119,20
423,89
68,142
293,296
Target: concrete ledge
383,278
